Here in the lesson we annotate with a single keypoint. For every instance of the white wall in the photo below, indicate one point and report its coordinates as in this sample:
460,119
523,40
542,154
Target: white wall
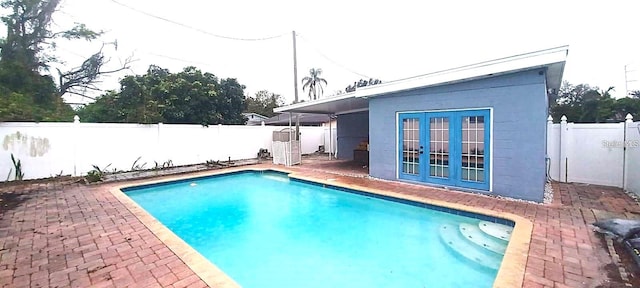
595,153
48,149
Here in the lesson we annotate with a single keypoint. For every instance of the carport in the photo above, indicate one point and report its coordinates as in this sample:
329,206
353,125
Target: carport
351,114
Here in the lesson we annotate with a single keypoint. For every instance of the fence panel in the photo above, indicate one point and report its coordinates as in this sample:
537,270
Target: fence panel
595,153
632,175
44,149
48,149
589,157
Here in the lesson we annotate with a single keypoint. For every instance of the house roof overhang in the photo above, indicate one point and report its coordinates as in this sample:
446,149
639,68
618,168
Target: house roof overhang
552,60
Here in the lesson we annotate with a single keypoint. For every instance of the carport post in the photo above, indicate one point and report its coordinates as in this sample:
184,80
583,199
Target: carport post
288,163
330,138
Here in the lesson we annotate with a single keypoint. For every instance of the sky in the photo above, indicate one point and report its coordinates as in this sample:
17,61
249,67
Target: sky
350,40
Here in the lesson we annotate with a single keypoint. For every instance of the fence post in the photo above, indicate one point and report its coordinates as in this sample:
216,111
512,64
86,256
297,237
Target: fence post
159,150
549,145
76,124
219,144
564,147
628,121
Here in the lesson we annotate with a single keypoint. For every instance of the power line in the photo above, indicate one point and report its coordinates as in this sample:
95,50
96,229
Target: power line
330,60
195,28
151,54
72,52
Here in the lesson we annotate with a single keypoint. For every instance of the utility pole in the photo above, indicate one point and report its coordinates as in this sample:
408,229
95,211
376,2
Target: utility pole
626,80
295,84
295,68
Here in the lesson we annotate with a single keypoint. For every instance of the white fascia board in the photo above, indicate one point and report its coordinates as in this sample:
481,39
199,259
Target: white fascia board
312,103
497,67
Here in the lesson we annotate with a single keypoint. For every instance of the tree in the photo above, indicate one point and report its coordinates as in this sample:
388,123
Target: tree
187,97
27,51
626,105
586,104
28,96
635,94
314,83
263,103
83,78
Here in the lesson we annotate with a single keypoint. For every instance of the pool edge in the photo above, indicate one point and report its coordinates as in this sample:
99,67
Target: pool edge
510,274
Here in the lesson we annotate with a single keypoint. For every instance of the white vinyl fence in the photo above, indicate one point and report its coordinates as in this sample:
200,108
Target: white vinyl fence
599,153
50,149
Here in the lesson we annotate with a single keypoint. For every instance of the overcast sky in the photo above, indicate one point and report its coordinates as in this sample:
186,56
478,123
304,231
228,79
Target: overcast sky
386,40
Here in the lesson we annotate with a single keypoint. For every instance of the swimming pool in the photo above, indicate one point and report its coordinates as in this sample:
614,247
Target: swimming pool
290,233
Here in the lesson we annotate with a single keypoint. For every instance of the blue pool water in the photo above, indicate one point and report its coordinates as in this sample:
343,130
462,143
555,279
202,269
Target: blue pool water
266,231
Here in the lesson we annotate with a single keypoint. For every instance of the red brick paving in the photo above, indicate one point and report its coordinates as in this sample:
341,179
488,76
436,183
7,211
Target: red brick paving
77,236
81,236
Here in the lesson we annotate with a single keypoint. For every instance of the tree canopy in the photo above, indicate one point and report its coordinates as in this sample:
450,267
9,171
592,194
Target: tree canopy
187,97
586,104
263,103
27,92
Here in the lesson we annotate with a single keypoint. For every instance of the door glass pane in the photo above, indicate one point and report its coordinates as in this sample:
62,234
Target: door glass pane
410,146
439,147
473,149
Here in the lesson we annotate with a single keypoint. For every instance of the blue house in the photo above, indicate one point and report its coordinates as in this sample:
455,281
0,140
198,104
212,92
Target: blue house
479,128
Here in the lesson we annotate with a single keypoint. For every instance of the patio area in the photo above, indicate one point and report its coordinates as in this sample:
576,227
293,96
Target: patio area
59,234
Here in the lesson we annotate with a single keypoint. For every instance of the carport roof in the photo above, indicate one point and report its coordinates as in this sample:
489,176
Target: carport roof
341,104
304,119
553,60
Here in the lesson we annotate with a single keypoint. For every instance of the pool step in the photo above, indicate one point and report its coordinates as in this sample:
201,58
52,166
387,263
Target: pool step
452,237
502,232
474,234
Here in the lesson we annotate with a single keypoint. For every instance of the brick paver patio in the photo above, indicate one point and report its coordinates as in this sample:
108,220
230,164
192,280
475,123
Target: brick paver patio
61,235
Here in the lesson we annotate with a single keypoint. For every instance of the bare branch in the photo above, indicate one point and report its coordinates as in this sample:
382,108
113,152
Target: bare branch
87,74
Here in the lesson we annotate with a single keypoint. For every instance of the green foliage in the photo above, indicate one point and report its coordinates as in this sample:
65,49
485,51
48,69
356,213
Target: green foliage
17,165
212,163
96,174
188,97
15,106
585,104
314,83
263,103
136,167
28,96
164,165
29,33
26,52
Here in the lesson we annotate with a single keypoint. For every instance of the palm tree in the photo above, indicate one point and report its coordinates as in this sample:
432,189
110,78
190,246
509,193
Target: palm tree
314,83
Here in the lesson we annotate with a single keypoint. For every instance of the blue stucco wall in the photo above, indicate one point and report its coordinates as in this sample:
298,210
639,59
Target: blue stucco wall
352,129
519,103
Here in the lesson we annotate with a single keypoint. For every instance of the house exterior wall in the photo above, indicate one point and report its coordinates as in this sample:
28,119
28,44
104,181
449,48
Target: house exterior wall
353,128
519,103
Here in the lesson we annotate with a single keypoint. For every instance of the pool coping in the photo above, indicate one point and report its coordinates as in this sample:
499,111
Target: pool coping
510,274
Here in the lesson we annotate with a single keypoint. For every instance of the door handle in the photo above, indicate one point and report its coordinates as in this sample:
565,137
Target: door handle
421,150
